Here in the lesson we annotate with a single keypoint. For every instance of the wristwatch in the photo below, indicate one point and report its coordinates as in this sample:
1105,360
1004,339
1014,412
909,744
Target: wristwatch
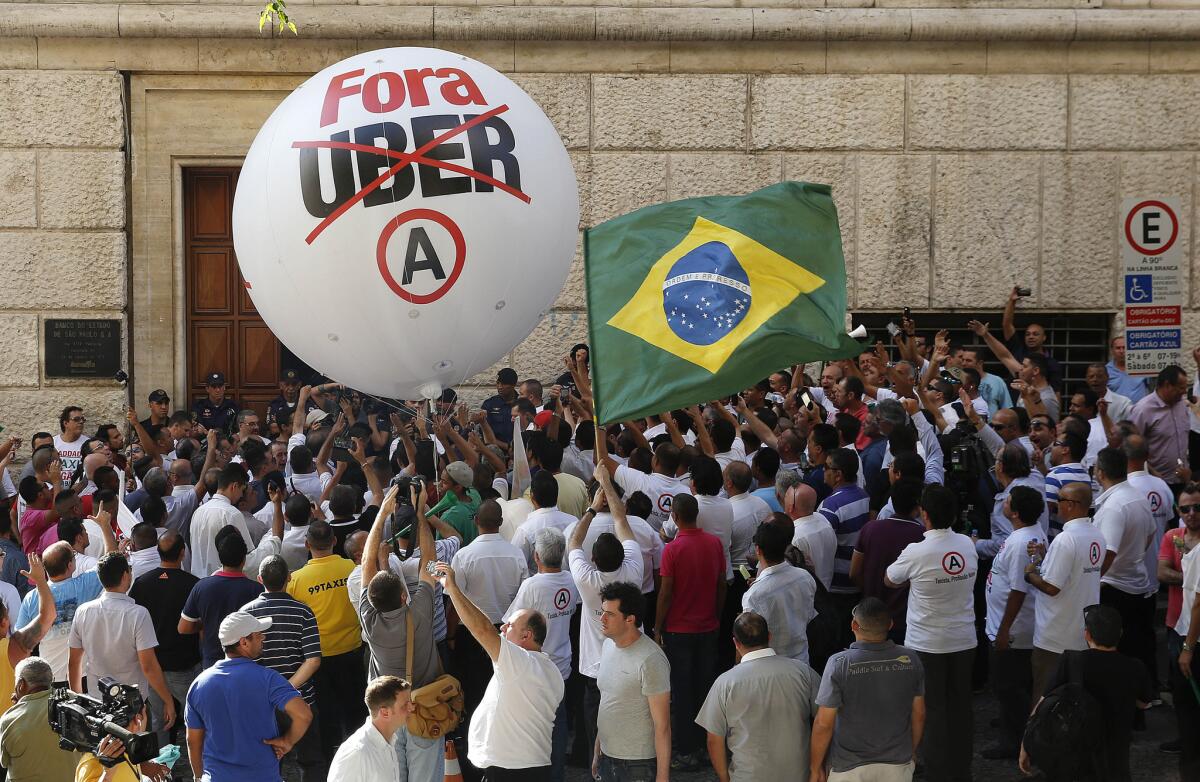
1187,647
592,511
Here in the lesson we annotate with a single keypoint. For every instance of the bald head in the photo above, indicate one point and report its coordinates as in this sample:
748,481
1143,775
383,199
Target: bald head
170,547
354,546
800,500
790,445
93,461
58,558
181,471
1078,493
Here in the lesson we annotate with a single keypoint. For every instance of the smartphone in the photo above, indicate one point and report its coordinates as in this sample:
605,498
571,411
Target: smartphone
1023,292
892,329
745,571
806,399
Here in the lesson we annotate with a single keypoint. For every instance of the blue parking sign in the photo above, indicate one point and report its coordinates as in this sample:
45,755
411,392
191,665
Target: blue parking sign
1139,289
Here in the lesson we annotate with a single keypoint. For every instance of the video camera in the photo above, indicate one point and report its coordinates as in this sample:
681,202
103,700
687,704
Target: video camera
82,721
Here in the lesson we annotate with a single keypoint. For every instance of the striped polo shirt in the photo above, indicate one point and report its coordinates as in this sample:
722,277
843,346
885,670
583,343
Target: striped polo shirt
846,511
1057,478
291,639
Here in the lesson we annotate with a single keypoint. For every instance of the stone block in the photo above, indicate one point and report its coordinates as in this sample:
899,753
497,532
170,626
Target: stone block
622,182
29,410
669,112
152,54
18,53
675,24
541,354
574,292
1024,57
893,217
594,56
18,352
1135,112
497,54
63,203
18,178
92,267
508,23
1109,57
840,173
748,57
1079,250
1174,57
273,55
565,100
723,173
987,112
827,112
907,57
61,109
988,229
1163,175
39,20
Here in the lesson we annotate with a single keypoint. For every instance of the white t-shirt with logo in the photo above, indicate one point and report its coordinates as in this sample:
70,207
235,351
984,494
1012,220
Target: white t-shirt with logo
553,595
1162,507
659,488
1072,564
70,454
1008,575
941,602
589,581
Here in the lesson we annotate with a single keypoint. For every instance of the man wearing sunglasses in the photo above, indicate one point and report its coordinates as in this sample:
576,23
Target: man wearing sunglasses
69,443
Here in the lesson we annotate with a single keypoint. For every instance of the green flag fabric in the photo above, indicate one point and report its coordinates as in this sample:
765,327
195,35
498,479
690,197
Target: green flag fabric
698,299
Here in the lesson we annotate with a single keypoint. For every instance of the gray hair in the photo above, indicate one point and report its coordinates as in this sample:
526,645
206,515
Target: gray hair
155,482
550,543
890,411
784,480
35,672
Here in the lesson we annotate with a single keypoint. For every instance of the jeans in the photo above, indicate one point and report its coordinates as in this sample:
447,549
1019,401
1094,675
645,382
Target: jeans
948,742
617,770
1137,619
420,759
693,658
558,743
178,683
306,761
1012,681
591,714
497,774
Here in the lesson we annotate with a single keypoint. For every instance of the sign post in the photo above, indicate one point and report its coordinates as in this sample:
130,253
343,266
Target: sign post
1152,283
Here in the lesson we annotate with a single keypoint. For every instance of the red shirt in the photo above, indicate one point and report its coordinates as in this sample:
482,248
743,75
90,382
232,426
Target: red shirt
696,560
1174,556
33,527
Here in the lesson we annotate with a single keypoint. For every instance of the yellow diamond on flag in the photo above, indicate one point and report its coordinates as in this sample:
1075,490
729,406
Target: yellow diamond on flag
711,292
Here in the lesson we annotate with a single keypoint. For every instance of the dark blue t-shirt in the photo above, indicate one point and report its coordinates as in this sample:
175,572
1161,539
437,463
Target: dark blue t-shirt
234,703
213,599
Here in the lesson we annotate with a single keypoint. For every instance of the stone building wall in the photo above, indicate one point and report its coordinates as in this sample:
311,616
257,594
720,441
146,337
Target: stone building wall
969,148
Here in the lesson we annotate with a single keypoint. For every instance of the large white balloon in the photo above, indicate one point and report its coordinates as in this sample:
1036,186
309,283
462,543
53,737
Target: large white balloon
404,219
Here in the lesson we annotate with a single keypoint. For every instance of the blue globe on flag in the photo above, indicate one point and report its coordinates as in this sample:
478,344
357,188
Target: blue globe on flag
706,294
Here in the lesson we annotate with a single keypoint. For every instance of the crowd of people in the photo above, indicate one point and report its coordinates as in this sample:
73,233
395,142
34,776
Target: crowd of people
807,580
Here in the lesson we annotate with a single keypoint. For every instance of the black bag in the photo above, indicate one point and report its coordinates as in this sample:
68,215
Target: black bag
1064,736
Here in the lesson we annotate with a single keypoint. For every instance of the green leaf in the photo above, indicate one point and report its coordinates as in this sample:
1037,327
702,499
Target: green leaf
292,27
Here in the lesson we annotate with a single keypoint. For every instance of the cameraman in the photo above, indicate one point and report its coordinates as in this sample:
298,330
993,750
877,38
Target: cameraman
90,768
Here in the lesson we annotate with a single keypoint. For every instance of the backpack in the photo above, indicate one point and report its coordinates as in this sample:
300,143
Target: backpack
1064,735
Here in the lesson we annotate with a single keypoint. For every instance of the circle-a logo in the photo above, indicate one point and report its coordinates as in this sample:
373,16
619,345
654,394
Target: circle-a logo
954,563
1094,552
421,255
562,598
664,504
1155,501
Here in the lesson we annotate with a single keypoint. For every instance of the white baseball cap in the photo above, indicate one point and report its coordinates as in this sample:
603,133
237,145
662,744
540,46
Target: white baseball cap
314,415
238,625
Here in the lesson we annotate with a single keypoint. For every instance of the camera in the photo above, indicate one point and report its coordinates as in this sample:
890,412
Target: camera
1023,292
406,484
82,721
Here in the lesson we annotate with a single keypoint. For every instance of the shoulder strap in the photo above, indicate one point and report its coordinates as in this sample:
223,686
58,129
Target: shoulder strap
408,644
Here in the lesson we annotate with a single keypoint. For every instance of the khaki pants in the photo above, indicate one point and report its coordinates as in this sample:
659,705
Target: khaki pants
875,772
1044,665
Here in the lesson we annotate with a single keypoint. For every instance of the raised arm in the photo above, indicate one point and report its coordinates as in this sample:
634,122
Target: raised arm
580,532
616,506
761,430
1002,353
327,446
1007,327
602,456
358,452
23,641
104,522
410,448
703,439
148,444
301,413
370,562
424,538
469,614
447,432
210,460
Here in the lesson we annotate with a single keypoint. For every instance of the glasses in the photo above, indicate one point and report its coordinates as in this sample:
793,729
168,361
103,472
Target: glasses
1058,444
78,419
1189,508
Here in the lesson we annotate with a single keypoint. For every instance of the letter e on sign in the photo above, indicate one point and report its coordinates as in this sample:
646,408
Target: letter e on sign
1151,227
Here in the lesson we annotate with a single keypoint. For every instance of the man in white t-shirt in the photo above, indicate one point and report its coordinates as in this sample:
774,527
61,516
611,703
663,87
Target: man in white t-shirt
1010,619
748,511
940,571
612,559
1068,579
543,492
552,593
511,728
1124,518
813,536
660,485
1185,667
69,443
1157,493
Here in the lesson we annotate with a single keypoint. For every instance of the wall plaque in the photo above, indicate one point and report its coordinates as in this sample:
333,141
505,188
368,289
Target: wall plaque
83,348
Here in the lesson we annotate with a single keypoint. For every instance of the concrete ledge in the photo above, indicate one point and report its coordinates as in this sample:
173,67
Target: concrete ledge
582,23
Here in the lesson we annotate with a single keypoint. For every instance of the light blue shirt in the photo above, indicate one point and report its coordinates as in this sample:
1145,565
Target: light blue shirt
993,391
1133,387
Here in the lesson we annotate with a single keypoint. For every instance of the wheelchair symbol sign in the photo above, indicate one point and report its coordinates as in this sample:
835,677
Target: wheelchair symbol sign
1138,289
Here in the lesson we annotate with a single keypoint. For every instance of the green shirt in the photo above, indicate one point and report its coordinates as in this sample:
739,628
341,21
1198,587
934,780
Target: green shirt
461,513
29,748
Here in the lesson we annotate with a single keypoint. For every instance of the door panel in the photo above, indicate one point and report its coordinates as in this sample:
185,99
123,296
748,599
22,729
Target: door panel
259,355
210,286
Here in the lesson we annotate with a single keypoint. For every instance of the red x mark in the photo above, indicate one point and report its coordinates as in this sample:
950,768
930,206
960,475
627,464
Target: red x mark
402,160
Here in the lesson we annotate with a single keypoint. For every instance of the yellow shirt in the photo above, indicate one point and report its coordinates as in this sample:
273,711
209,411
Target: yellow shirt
321,585
8,679
90,770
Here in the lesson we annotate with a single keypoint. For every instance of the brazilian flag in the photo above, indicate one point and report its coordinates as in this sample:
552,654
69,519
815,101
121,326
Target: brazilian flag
698,299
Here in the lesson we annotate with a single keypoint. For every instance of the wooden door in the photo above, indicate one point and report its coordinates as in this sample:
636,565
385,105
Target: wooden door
224,331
